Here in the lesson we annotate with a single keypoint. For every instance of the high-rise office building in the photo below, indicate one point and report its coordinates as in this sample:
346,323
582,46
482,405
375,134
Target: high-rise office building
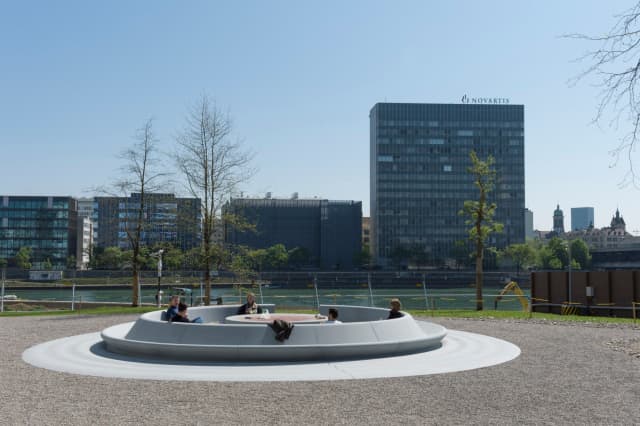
166,219
581,218
47,225
330,231
419,180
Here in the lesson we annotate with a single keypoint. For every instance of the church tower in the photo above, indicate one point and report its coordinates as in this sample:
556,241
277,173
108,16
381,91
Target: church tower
558,221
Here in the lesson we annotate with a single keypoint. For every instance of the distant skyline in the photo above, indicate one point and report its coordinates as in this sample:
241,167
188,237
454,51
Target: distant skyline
299,79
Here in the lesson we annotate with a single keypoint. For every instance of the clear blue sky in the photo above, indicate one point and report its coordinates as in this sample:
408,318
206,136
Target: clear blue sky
299,78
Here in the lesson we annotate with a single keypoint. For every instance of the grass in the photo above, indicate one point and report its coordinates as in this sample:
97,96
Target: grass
105,310
488,314
491,314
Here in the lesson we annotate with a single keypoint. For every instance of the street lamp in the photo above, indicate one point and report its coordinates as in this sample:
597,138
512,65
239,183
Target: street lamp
159,292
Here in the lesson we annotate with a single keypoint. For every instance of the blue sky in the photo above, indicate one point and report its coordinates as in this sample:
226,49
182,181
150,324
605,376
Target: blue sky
299,78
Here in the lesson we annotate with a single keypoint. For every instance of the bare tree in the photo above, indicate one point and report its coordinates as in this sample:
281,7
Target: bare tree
616,66
213,165
141,176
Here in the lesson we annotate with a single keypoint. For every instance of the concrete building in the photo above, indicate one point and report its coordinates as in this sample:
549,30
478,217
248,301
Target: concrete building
331,231
581,218
84,245
166,219
419,155
529,233
46,224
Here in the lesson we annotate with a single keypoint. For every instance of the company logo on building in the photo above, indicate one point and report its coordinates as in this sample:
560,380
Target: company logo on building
490,101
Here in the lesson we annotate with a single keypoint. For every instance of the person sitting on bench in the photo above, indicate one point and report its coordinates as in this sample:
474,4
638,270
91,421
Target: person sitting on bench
251,307
395,309
172,311
182,315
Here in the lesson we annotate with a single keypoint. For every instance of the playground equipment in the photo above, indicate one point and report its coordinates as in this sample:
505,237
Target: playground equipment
513,287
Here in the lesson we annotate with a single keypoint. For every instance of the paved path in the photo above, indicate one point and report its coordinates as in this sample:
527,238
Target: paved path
566,374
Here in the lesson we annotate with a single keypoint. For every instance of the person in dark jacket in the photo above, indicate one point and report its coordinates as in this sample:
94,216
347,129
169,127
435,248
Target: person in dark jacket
172,311
182,315
395,309
251,307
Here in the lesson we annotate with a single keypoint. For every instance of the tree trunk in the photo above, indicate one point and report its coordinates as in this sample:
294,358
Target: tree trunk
479,273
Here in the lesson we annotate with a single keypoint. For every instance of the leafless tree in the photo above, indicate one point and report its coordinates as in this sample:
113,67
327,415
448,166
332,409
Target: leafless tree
141,175
616,66
213,164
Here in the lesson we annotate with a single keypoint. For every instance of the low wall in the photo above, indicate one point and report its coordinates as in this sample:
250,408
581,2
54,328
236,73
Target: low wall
603,293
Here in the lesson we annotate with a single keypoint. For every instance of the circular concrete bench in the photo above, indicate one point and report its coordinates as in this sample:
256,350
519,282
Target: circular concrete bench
364,333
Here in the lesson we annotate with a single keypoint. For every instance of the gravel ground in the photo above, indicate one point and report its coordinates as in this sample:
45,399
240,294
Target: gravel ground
566,374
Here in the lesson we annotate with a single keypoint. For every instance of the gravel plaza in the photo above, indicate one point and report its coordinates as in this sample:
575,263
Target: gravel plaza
567,373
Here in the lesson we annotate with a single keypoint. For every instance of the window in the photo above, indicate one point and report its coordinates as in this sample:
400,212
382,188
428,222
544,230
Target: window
385,158
436,141
465,132
446,168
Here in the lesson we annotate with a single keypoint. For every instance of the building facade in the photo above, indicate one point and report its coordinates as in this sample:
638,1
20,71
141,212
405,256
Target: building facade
581,218
46,224
529,233
331,231
167,219
419,155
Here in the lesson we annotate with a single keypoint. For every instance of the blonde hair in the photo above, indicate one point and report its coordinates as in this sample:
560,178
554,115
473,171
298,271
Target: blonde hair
395,303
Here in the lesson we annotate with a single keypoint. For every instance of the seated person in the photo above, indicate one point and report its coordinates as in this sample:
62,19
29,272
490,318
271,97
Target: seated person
332,316
172,311
250,307
395,309
182,315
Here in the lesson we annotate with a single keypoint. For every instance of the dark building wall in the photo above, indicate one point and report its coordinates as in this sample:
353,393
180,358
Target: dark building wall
419,179
341,231
46,224
329,230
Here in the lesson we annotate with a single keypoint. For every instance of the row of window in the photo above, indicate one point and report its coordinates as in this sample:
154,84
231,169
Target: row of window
435,123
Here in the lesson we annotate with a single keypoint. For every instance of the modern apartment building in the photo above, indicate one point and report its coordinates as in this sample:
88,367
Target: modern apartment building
46,224
166,219
419,155
331,231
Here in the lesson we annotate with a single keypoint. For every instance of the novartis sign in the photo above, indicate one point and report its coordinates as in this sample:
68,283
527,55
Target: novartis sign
490,101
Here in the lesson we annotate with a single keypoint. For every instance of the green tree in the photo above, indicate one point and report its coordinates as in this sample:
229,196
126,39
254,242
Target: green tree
480,214
276,257
192,258
47,265
110,258
558,249
522,255
23,258
580,254
3,263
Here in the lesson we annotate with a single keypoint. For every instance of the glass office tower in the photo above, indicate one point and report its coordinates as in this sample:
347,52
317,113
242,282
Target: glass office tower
419,155
48,225
581,218
167,219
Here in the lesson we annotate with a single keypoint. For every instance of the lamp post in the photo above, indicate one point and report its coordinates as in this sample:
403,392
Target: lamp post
159,292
